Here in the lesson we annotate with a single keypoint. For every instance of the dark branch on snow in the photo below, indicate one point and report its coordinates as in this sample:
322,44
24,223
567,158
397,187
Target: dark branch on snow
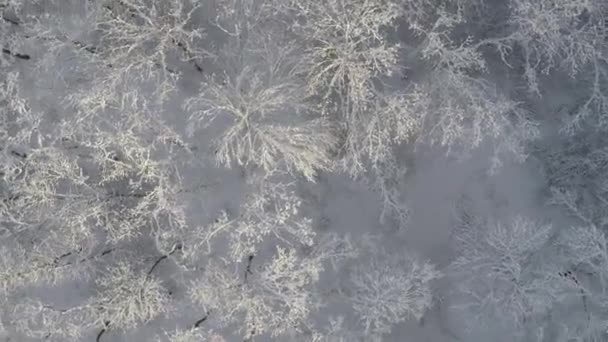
10,21
190,56
248,268
163,257
200,321
102,331
19,154
18,55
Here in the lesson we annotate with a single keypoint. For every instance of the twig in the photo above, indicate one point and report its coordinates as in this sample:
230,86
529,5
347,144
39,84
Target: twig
98,338
66,40
104,253
200,321
107,251
65,255
156,263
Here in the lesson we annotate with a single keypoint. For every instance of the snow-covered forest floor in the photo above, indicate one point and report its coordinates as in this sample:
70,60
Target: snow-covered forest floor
304,170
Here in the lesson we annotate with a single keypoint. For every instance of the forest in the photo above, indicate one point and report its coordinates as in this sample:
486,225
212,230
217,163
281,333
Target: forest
304,170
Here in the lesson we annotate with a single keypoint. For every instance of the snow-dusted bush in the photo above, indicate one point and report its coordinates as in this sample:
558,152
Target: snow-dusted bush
127,298
191,335
36,320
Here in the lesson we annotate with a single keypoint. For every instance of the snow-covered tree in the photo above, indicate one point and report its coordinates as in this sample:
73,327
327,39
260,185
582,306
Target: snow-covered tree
349,51
349,47
556,34
270,211
575,172
520,271
126,299
462,110
259,104
549,36
387,292
499,268
274,298
576,176
136,45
